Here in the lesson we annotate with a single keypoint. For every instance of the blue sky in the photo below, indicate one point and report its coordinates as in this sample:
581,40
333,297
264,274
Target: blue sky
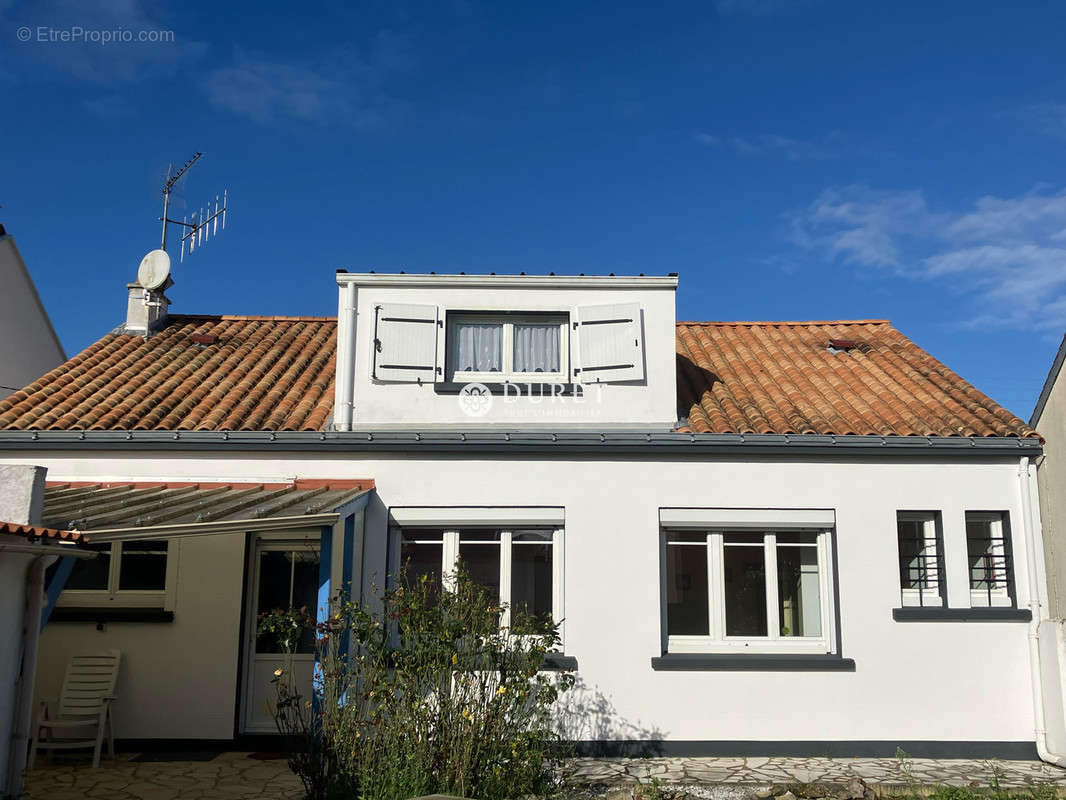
791,159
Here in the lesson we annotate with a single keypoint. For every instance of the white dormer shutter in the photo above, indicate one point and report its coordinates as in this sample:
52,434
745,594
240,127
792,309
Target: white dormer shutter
610,344
405,343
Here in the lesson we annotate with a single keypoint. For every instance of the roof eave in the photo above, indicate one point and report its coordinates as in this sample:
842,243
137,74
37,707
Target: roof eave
518,441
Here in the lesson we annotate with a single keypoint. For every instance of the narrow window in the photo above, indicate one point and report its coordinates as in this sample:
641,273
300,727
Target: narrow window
989,552
920,558
531,579
91,573
143,566
422,556
479,553
745,584
687,610
799,589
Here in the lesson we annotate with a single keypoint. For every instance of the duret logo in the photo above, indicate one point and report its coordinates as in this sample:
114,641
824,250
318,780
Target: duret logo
475,400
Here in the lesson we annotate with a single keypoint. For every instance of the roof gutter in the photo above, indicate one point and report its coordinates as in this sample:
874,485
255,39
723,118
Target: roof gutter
519,442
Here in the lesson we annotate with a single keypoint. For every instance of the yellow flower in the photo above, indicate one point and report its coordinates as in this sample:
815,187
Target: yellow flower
455,658
467,714
502,690
278,672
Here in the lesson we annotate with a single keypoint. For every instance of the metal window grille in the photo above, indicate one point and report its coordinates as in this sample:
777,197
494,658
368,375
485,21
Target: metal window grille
920,558
991,564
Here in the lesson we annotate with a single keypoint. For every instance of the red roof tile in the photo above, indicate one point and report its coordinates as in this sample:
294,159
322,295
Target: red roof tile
782,377
34,532
276,373
262,373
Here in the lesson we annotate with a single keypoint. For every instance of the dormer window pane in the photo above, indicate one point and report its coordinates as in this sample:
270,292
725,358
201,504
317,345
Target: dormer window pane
479,347
536,348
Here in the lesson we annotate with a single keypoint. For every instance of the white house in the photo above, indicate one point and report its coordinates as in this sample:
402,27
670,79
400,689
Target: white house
761,538
31,346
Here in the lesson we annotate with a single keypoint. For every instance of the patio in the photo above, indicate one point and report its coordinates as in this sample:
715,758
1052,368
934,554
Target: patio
238,775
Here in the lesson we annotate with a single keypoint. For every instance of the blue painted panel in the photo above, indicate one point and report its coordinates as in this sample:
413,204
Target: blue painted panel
325,567
55,586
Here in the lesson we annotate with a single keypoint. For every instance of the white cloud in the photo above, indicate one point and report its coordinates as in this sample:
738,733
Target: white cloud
337,89
773,144
1006,255
95,51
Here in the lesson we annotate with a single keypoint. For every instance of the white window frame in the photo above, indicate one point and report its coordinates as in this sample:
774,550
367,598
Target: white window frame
717,641
1000,596
507,373
128,598
450,560
934,595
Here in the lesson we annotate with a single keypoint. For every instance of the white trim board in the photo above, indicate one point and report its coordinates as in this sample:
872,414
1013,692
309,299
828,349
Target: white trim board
477,515
511,281
771,518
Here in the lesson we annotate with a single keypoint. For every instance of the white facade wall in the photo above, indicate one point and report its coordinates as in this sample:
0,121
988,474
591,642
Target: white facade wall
648,403
938,681
31,347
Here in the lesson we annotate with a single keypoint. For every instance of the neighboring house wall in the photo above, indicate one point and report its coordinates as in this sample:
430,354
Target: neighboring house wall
180,679
1050,421
31,347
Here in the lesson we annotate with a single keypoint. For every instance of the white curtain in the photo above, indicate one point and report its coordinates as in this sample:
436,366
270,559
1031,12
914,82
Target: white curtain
536,348
479,347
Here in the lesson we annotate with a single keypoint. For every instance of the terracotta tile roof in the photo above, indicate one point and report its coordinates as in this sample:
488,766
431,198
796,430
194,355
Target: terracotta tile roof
782,377
239,373
276,373
35,532
104,506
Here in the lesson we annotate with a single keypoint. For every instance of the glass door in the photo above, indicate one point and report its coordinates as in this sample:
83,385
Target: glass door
284,576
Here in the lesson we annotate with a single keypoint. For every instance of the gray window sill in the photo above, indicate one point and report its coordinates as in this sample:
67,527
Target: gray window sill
557,662
937,614
536,390
770,662
98,615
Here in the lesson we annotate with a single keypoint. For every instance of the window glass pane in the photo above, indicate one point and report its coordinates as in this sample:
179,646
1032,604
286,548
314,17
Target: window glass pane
477,347
275,586
422,554
987,552
687,612
479,553
91,573
745,585
917,553
305,592
531,580
143,566
536,347
799,594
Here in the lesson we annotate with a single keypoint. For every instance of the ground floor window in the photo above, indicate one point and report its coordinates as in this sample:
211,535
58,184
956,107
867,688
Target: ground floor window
990,562
520,568
920,558
124,573
748,590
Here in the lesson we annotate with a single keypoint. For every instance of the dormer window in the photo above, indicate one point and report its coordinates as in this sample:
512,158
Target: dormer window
496,348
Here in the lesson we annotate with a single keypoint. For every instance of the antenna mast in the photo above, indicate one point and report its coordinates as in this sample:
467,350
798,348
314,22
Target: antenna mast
199,230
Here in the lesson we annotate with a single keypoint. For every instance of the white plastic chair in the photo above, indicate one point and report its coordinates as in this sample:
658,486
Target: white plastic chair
85,702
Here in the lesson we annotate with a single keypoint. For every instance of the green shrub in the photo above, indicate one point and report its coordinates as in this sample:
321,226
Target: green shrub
435,697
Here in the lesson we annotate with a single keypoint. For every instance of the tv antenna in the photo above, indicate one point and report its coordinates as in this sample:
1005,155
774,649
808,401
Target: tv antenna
203,222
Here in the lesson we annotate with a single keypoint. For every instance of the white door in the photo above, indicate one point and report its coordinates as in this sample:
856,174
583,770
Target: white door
284,575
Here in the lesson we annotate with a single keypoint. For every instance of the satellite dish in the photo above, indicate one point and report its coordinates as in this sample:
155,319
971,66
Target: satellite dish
154,269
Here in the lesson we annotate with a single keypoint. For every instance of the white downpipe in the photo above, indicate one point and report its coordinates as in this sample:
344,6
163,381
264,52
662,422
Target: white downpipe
344,402
31,629
1037,609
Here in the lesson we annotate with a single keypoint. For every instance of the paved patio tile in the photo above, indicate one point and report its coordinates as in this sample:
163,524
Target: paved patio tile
238,776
